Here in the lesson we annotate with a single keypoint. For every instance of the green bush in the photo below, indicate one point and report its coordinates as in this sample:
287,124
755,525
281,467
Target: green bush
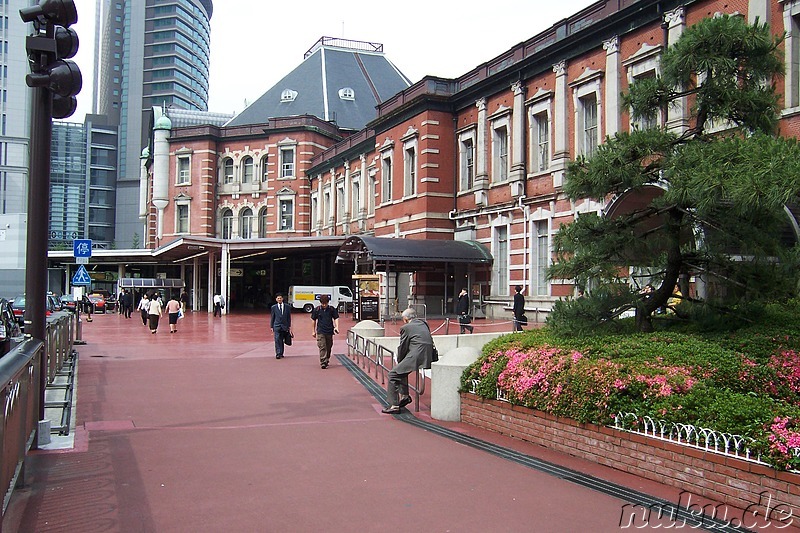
744,382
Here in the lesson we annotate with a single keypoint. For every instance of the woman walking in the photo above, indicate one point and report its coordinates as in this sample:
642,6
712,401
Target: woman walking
154,312
173,308
144,307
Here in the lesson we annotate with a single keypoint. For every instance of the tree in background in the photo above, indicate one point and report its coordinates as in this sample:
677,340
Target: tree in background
708,202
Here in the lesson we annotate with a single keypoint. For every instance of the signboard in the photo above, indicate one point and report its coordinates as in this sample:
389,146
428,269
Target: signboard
81,277
82,248
368,295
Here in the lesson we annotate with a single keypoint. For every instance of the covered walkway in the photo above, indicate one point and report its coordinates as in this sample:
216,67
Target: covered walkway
205,431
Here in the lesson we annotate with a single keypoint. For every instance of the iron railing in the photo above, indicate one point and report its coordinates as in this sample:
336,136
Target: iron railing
24,373
372,357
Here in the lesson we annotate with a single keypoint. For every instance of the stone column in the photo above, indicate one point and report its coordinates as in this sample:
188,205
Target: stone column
612,91
677,114
161,170
517,175
348,203
481,146
363,207
561,134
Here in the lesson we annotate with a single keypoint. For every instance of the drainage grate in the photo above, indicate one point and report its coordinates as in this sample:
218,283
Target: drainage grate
612,489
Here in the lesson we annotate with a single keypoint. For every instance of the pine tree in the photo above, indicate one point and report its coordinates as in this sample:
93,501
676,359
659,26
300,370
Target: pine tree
710,201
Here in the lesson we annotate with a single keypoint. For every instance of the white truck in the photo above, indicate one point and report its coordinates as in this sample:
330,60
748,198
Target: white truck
306,297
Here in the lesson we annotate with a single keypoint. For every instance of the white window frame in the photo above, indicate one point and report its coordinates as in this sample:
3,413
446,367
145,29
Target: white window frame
288,170
645,63
285,213
226,223
541,257
501,149
584,91
247,176
410,164
246,223
178,207
540,118
327,205
314,210
183,176
501,250
356,193
264,168
791,26
263,222
373,185
226,176
340,201
387,171
466,155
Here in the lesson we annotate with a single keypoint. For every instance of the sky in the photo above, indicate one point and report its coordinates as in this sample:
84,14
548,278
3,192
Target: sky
254,44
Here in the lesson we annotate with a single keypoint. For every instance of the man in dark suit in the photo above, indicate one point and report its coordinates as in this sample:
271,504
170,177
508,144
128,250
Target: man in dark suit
415,351
519,308
281,324
462,310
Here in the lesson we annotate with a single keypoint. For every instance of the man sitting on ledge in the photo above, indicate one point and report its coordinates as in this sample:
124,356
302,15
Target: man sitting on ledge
415,351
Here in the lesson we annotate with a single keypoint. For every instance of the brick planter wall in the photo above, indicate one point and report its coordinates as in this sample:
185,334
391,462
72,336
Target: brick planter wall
719,478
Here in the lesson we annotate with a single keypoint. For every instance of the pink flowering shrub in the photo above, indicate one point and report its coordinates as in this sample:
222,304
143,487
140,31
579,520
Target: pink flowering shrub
784,443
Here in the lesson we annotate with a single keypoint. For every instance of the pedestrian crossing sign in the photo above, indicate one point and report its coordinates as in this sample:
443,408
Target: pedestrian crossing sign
81,277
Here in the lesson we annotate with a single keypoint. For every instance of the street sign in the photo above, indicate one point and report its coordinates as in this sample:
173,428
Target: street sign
82,260
81,277
82,248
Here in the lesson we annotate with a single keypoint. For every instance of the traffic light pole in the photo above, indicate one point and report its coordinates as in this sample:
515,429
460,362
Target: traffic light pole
38,215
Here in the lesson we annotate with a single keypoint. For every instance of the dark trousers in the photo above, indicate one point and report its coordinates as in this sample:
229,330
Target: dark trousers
279,334
217,309
463,321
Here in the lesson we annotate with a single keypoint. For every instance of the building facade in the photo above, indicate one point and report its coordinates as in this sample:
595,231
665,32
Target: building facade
478,158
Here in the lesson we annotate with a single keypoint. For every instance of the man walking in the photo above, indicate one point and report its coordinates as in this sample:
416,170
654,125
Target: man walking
281,324
519,308
326,324
462,310
415,351
219,304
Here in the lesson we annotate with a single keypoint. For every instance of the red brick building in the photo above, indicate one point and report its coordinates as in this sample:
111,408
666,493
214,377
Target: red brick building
478,158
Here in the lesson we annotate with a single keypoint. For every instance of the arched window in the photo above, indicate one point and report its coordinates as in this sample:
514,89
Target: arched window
264,168
262,222
227,171
247,170
227,224
246,223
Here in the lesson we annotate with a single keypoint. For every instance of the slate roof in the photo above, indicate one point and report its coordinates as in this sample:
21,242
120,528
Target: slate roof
329,66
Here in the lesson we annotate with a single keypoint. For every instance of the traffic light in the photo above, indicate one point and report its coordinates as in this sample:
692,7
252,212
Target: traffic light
49,49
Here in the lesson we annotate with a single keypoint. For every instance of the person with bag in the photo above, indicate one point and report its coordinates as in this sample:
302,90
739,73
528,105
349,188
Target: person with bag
462,310
519,309
281,324
326,325
414,351
219,304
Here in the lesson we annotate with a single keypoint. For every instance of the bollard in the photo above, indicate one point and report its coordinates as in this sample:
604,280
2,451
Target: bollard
79,329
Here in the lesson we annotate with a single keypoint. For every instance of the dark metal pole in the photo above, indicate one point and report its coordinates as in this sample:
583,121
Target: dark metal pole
38,217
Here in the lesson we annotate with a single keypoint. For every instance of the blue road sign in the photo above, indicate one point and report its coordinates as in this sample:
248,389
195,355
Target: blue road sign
82,248
81,277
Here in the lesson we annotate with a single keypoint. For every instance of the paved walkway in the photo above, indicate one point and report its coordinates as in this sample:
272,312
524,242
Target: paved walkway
205,431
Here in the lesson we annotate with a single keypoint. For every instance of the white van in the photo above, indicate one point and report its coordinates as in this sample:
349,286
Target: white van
306,297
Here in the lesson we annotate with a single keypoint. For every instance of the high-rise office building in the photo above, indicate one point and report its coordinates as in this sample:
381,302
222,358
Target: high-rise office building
67,185
152,53
15,100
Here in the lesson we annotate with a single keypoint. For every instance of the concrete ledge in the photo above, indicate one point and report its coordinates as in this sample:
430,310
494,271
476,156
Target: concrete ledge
446,380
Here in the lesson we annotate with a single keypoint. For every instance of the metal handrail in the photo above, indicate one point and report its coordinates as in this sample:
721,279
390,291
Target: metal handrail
368,353
22,395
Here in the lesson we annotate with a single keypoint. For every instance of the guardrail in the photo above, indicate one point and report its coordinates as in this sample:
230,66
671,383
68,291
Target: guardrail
24,373
372,357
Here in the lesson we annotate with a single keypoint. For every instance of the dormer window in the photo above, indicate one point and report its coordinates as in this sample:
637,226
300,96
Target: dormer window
288,95
347,94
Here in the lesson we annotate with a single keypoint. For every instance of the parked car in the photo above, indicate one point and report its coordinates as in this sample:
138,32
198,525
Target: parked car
18,305
53,300
98,302
69,303
10,332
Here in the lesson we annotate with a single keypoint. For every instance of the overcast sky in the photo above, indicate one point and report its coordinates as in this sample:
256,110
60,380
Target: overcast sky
254,44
